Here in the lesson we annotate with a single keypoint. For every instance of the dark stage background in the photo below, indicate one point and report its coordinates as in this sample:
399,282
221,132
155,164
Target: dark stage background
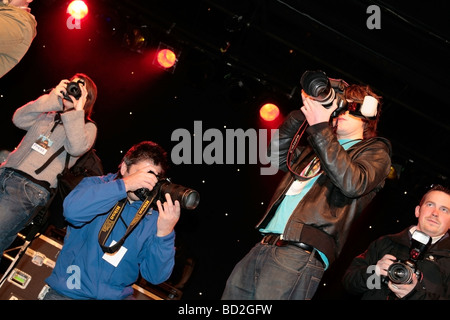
234,55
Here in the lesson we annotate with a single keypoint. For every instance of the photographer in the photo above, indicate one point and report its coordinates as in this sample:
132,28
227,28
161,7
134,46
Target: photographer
53,120
329,182
149,249
433,213
17,31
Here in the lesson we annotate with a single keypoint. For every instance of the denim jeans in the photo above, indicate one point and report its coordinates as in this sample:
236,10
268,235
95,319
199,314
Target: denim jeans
54,295
19,197
269,272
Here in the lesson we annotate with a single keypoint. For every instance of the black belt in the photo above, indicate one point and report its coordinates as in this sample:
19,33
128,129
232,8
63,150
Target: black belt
42,183
275,240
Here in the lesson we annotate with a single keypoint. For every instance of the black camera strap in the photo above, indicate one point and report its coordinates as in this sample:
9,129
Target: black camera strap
112,219
294,143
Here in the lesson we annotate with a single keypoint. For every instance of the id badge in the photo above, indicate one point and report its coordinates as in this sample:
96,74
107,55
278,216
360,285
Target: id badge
42,144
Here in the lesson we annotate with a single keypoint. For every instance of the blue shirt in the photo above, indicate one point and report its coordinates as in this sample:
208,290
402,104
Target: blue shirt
290,202
83,270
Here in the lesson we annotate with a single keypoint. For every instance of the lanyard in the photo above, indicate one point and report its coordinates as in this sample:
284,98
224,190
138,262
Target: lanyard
112,219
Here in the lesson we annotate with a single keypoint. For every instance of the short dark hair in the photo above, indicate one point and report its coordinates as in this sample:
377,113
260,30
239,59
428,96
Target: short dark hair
434,187
147,150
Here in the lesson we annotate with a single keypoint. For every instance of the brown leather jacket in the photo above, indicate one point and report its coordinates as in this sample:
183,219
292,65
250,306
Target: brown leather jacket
350,180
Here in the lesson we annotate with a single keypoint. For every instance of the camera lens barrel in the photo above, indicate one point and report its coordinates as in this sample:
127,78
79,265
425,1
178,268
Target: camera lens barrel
317,85
400,273
187,197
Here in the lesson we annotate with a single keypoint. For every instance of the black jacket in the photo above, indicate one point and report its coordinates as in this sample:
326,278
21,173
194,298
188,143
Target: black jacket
349,181
435,268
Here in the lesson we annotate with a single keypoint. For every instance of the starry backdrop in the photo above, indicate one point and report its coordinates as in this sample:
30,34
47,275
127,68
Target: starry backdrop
139,101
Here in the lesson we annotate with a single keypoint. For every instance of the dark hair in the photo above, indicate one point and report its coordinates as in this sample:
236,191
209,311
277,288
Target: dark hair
357,93
91,93
147,150
434,187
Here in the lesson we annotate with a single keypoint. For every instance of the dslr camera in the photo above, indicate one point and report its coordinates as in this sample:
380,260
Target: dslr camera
187,197
401,272
325,90
73,89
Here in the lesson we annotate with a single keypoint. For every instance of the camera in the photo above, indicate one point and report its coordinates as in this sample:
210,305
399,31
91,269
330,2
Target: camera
325,90
187,197
73,89
401,272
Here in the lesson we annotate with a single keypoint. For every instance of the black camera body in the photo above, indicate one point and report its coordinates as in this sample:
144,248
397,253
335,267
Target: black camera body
401,272
73,89
325,90
187,197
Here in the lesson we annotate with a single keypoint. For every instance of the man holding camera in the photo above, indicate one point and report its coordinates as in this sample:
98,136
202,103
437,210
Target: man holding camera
426,278
53,120
105,211
330,179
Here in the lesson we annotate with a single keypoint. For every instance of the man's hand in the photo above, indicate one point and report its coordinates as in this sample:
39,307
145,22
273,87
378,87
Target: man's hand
140,179
383,264
169,213
315,112
402,290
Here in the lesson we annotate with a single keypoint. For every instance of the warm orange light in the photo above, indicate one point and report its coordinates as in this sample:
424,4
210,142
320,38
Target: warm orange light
269,112
166,58
77,9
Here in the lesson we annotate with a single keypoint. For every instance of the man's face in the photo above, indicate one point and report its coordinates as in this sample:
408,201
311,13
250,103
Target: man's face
348,125
156,169
434,214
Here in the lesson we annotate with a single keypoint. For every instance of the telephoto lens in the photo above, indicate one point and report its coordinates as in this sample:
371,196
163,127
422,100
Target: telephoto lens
188,198
317,85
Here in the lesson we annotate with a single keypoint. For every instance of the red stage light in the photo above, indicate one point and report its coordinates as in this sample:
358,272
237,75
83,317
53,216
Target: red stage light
166,58
269,112
77,9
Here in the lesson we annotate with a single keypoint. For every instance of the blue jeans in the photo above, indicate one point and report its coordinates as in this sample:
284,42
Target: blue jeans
54,295
269,272
19,198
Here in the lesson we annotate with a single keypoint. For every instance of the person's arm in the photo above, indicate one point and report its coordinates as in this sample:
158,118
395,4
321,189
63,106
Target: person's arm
158,257
80,135
25,116
363,274
17,31
91,197
280,143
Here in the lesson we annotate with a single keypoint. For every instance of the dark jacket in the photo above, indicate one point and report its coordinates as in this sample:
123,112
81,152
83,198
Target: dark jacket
435,268
349,181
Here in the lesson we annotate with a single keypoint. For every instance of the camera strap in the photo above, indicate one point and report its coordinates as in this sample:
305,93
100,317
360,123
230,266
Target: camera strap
112,219
294,143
